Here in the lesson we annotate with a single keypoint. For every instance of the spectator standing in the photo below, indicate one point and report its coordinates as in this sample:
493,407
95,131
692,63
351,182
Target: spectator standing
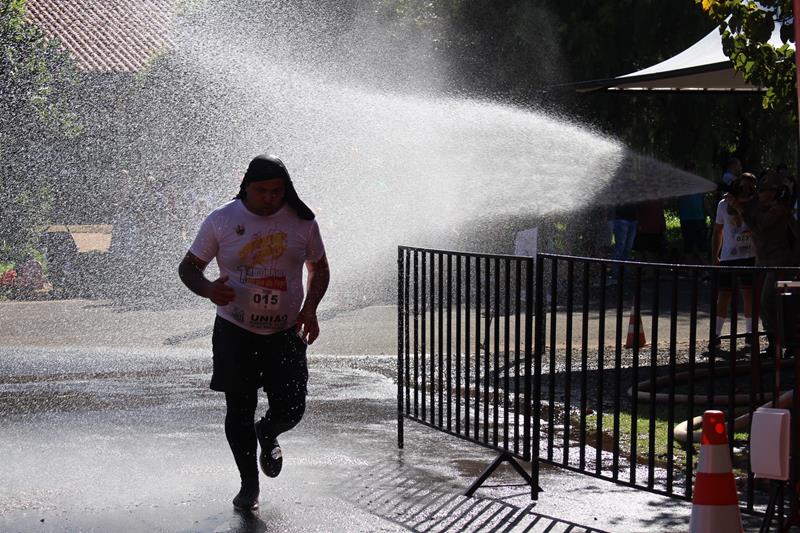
692,214
624,228
732,245
733,169
775,237
650,240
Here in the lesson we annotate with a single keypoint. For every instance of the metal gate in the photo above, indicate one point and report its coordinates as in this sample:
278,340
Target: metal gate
465,349
605,373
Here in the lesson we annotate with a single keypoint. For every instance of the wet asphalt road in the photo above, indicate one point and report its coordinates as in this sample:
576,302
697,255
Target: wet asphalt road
107,424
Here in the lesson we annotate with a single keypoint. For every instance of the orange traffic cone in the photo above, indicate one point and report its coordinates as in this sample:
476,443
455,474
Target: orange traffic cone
715,504
629,342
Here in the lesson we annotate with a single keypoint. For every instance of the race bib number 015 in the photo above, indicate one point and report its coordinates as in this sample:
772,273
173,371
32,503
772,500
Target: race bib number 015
266,300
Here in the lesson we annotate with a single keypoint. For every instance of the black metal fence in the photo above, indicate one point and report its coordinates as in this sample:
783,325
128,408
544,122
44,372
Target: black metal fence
465,348
570,381
626,412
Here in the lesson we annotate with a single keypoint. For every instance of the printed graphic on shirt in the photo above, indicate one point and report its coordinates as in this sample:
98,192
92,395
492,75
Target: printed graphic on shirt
269,278
268,321
263,249
263,258
265,286
742,246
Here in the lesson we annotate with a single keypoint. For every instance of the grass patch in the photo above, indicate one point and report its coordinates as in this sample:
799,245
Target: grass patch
661,434
660,444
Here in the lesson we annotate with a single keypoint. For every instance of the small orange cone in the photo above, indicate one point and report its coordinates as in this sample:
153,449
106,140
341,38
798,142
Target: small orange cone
715,503
630,340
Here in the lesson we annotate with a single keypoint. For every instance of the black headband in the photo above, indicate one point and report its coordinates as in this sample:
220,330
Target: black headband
269,167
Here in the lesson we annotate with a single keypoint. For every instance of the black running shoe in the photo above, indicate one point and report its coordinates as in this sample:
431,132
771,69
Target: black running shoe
247,499
271,457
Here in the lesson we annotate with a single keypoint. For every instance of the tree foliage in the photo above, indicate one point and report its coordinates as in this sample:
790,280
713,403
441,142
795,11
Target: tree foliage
35,77
747,27
518,50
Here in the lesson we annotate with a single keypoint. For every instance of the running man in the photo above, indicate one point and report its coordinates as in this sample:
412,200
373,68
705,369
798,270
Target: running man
261,239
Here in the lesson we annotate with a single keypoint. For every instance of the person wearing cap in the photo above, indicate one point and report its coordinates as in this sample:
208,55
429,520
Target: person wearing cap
733,169
261,240
768,214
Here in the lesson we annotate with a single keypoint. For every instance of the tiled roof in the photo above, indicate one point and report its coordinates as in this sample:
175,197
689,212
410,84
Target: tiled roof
107,35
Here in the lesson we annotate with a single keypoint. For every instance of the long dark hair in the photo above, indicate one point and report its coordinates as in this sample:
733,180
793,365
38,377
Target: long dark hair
268,167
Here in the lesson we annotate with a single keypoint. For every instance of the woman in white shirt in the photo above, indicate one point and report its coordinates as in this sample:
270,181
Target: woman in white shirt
732,245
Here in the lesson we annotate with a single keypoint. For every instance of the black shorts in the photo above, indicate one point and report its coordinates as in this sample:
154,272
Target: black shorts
745,278
244,360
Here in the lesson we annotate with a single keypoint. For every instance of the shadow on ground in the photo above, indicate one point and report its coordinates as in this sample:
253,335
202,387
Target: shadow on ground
407,497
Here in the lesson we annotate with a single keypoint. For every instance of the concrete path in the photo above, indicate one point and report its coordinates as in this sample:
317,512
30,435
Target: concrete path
107,424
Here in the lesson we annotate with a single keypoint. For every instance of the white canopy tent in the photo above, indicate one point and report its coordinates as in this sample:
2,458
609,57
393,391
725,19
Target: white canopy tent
701,67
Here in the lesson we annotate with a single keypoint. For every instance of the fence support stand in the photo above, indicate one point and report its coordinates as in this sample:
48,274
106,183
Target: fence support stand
503,457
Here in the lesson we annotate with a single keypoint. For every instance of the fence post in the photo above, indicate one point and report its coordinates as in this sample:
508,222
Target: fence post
535,396
783,290
400,344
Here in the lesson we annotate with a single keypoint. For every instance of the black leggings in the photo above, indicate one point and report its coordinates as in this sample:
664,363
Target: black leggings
241,433
276,363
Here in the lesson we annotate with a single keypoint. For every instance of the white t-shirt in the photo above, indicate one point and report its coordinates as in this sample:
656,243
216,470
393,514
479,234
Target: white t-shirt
737,242
263,257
